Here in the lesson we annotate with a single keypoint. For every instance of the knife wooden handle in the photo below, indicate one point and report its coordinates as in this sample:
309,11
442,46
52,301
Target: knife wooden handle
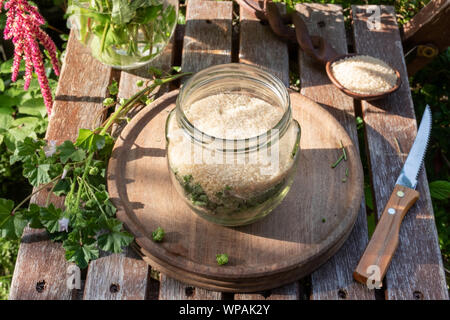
384,241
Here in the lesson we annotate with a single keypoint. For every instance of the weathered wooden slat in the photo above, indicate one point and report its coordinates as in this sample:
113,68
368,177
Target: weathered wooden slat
171,289
416,270
258,45
40,271
334,279
207,42
207,39
117,277
125,276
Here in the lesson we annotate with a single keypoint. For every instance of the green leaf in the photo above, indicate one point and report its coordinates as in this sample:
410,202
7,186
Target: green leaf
37,174
102,195
24,96
2,85
78,251
147,14
68,151
8,101
113,88
55,170
23,127
89,13
16,134
6,207
109,208
62,187
34,84
28,147
440,189
34,107
6,67
89,141
50,218
6,118
115,36
121,12
155,71
115,239
106,150
11,225
33,215
26,121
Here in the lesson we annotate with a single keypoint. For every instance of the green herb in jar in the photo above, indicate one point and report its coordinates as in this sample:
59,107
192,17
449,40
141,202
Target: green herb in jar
123,33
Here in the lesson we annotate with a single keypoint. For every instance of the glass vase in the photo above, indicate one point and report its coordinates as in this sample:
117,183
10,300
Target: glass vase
124,34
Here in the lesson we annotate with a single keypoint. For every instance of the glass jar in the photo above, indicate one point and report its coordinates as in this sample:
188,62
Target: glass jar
233,181
124,34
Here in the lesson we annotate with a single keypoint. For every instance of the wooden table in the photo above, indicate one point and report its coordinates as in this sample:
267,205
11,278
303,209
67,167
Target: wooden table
215,33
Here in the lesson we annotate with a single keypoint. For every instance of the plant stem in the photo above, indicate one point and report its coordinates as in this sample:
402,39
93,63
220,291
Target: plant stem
34,192
88,188
116,115
136,98
334,165
83,177
50,193
343,151
102,43
70,194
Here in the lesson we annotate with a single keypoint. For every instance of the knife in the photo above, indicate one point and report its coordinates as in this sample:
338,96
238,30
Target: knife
375,261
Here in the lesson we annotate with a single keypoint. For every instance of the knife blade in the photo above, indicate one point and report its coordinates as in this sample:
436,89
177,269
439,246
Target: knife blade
413,163
375,261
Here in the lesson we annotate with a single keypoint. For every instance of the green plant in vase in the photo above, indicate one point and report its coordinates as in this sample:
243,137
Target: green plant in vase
124,34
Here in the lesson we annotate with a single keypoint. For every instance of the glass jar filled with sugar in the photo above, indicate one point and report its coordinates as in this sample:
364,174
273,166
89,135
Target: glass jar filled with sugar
232,144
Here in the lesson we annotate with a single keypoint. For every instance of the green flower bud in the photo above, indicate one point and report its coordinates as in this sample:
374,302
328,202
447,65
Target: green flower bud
108,102
93,171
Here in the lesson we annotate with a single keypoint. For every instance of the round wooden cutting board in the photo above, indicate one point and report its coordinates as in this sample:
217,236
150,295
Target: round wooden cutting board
306,229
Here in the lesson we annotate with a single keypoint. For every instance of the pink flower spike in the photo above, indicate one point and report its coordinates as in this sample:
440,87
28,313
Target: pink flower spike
50,46
28,73
23,27
16,65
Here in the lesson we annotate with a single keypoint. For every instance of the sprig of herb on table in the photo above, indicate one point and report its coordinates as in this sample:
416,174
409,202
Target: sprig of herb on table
158,234
342,157
77,170
339,160
222,259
